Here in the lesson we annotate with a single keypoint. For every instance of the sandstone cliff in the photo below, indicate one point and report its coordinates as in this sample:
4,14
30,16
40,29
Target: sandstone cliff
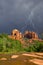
30,35
17,35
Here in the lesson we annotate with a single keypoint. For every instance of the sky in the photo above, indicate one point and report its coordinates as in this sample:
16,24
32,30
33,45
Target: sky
22,15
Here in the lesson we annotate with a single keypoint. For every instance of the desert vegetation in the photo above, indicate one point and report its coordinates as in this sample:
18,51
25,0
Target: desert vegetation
9,45
15,46
36,46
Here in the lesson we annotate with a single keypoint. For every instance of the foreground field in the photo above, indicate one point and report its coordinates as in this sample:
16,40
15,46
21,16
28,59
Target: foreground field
13,52
21,59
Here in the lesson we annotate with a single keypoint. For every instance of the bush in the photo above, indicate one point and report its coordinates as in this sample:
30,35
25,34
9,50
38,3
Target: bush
36,47
9,45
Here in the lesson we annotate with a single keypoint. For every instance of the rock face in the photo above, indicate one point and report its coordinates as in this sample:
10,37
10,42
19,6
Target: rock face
16,34
30,35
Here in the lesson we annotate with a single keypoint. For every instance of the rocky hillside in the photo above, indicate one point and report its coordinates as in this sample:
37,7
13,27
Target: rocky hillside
11,45
30,35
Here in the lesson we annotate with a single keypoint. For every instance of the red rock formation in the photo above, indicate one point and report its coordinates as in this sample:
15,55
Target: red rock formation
34,35
27,34
30,35
15,34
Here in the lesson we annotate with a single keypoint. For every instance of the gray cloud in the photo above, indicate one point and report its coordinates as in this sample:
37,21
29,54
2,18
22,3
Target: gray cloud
20,14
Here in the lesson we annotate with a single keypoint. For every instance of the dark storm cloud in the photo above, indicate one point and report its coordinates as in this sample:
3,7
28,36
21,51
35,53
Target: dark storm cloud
20,14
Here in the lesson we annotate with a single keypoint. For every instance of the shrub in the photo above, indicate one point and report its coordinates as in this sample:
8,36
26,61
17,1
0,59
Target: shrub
9,45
